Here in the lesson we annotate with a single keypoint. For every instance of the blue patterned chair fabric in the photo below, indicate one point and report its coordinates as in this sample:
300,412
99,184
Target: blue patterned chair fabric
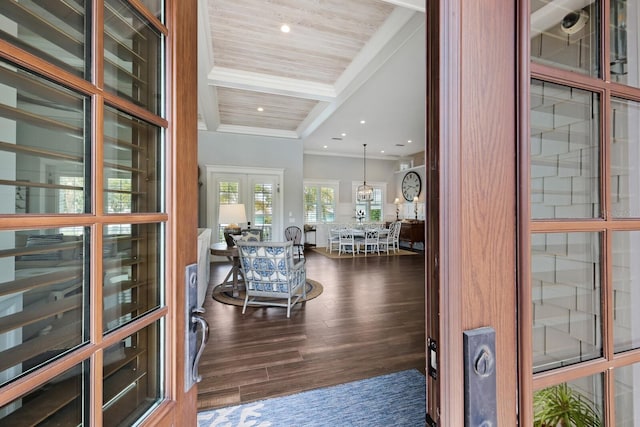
270,271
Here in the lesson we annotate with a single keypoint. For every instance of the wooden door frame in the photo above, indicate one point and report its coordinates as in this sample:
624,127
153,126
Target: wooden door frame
182,201
471,154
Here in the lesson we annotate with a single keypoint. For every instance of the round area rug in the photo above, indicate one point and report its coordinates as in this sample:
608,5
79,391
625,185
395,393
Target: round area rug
224,294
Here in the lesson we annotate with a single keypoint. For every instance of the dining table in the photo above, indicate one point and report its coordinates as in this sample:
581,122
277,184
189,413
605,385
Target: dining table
231,253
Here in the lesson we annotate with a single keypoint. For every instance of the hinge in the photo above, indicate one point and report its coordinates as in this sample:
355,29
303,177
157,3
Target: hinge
433,358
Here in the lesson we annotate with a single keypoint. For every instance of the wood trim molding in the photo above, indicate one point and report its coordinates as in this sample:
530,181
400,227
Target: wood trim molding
472,54
182,196
525,311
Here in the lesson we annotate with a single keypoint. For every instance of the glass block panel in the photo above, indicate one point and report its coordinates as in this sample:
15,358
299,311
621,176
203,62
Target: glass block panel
132,56
54,30
44,285
566,38
132,164
133,265
626,290
44,139
627,396
59,402
624,68
132,380
566,292
625,158
564,149
575,403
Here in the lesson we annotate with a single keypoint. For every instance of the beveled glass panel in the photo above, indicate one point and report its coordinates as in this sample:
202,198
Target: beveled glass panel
132,379
566,38
627,389
54,30
132,56
44,131
133,280
564,147
43,291
59,402
625,158
626,290
566,292
132,164
623,58
574,403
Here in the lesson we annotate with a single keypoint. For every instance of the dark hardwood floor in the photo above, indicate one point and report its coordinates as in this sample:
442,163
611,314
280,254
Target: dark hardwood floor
369,321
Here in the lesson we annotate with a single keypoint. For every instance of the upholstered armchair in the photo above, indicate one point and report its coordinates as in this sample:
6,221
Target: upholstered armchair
271,275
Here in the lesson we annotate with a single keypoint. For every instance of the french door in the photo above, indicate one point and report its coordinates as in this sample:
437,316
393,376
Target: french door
91,277
583,241
258,192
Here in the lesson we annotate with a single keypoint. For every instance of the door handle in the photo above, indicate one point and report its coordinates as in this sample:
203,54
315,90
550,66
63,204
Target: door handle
198,320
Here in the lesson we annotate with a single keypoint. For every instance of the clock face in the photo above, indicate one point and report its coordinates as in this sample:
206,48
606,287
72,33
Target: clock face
411,186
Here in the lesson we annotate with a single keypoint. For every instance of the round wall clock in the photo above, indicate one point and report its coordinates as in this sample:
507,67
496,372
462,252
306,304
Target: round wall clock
411,186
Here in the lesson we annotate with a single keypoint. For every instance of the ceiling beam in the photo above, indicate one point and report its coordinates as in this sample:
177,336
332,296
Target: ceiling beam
265,83
360,71
248,130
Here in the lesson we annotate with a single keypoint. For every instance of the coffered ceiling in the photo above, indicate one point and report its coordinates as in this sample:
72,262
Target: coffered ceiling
341,62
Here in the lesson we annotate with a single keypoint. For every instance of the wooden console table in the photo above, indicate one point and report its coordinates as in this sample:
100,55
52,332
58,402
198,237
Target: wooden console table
412,231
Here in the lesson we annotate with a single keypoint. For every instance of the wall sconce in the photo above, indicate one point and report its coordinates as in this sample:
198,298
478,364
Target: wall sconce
415,206
397,203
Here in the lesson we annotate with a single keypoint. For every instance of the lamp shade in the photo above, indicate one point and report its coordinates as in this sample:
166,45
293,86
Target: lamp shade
232,214
396,201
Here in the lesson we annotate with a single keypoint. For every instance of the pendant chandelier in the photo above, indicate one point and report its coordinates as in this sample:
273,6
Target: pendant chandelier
364,193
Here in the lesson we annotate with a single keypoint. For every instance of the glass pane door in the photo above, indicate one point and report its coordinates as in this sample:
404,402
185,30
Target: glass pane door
584,212
262,197
83,304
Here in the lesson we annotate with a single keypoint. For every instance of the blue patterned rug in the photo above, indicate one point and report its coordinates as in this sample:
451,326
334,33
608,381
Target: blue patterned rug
389,400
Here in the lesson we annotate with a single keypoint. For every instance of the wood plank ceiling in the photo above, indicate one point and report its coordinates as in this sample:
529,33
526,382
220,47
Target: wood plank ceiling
296,78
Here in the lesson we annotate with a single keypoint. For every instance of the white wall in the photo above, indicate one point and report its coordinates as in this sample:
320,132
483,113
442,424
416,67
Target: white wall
349,169
247,150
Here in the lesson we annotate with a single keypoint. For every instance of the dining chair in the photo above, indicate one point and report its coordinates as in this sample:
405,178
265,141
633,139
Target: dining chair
347,242
386,241
370,241
396,236
333,239
294,234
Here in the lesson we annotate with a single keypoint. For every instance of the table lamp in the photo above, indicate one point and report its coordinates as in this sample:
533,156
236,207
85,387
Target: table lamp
231,215
415,206
397,203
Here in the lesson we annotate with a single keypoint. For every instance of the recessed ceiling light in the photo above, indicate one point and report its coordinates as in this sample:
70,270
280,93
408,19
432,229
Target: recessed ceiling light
382,151
362,122
343,134
409,141
325,146
285,28
260,109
